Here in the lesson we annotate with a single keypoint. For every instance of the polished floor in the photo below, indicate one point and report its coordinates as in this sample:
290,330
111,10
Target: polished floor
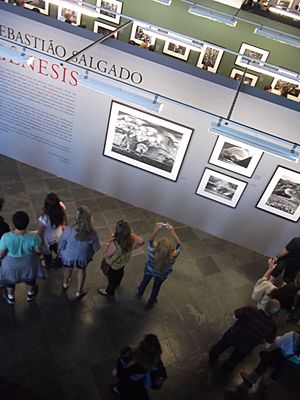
60,348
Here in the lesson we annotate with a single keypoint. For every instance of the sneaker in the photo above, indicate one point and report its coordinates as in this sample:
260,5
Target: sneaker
80,295
65,287
9,300
150,305
32,296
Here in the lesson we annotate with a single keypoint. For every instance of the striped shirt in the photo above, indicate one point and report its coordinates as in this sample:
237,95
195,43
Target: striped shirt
149,267
289,345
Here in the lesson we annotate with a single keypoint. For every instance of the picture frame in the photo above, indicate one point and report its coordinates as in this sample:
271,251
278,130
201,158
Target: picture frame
138,34
104,29
146,141
293,88
73,15
249,79
235,156
284,4
210,58
282,195
41,5
248,50
176,49
220,188
111,6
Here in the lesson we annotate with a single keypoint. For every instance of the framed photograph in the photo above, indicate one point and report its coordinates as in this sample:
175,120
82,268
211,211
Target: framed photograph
146,141
139,35
284,4
253,52
66,13
176,49
235,156
42,5
111,7
104,29
282,195
249,79
221,188
210,58
293,88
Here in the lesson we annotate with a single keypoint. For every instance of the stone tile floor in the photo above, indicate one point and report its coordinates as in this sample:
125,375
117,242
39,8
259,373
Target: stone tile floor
61,349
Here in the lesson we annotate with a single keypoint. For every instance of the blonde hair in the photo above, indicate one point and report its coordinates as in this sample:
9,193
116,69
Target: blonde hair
162,253
84,224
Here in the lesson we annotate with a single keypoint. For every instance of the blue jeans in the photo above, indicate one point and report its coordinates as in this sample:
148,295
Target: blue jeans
155,288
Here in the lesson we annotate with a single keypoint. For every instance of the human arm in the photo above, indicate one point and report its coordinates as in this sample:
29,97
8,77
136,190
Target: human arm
157,227
174,234
138,241
110,248
271,266
283,252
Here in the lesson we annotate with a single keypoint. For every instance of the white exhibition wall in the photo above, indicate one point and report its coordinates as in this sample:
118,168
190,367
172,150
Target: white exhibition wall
50,122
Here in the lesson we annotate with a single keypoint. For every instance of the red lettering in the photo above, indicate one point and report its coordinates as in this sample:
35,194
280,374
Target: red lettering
12,61
74,80
54,69
64,74
42,67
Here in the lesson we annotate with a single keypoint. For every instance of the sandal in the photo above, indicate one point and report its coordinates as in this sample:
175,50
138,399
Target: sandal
102,292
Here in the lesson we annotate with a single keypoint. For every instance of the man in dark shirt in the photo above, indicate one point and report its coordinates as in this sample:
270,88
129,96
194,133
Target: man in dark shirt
251,328
4,227
288,260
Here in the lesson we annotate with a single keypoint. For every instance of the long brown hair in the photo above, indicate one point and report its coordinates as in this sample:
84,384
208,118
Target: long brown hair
84,224
123,236
162,254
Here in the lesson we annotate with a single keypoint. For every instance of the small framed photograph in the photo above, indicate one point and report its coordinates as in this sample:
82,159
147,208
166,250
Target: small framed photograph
221,188
284,4
110,7
282,195
66,13
139,34
146,141
104,29
210,58
249,79
235,156
176,49
253,52
293,88
42,5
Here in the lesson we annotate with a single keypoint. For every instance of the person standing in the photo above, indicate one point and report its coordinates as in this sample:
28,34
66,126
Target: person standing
20,261
51,225
117,255
77,245
251,328
288,261
161,258
4,227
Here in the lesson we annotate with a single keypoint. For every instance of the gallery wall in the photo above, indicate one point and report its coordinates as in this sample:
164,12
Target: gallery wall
51,123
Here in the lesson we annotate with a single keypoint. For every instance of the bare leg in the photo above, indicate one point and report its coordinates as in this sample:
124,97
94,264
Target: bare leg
67,277
81,274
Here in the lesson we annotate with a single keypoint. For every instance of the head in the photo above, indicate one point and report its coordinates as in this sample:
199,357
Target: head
20,220
20,3
272,307
268,88
284,91
54,210
149,351
123,235
84,223
163,252
1,203
144,45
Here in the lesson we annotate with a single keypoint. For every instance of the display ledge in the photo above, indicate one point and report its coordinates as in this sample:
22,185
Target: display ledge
154,57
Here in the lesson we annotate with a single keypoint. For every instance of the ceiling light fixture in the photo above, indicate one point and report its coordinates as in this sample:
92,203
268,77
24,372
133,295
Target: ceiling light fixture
113,91
213,15
278,36
164,2
270,69
15,54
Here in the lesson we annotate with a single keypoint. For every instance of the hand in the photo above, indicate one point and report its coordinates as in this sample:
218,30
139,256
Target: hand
271,264
159,225
170,227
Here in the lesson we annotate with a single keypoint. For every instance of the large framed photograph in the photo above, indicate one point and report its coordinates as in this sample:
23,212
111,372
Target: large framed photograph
110,7
139,34
235,156
282,195
65,13
104,29
221,188
253,52
210,58
176,49
41,5
146,141
249,79
293,88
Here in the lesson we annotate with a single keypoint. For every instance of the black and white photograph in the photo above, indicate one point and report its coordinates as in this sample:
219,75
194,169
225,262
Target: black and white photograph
210,58
145,141
64,14
292,88
285,4
249,79
41,5
235,156
221,188
104,29
176,49
258,54
282,195
139,34
110,7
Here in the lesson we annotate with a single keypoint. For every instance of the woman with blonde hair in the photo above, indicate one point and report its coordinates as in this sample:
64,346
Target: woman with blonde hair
77,245
161,258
